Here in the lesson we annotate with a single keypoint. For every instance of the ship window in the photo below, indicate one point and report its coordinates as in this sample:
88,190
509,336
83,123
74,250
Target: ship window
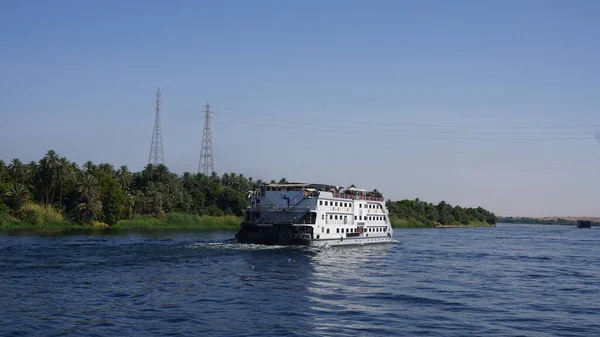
336,217
337,230
322,216
321,202
330,216
327,230
336,203
326,203
322,229
385,229
360,217
359,205
355,217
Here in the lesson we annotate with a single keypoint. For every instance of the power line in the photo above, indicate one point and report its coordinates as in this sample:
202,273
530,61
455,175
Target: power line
205,164
156,146
312,124
412,125
315,129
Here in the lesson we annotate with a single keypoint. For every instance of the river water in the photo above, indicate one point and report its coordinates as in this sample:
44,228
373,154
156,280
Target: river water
511,280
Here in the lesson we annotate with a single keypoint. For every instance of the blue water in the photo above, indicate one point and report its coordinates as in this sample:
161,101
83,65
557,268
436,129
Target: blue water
512,280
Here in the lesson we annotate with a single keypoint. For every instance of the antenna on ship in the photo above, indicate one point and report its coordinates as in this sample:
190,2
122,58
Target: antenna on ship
156,147
206,155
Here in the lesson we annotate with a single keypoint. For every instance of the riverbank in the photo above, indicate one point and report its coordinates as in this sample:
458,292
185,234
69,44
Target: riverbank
413,223
172,220
191,221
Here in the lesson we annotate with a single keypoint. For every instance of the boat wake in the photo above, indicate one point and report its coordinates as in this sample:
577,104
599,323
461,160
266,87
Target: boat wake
233,245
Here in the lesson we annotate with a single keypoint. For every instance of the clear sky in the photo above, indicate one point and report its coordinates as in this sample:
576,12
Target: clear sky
440,100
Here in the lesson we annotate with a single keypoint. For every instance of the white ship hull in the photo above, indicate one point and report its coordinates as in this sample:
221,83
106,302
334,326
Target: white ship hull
348,242
281,237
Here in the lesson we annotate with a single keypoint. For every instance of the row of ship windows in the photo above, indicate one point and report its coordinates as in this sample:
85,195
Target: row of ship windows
355,230
347,204
360,217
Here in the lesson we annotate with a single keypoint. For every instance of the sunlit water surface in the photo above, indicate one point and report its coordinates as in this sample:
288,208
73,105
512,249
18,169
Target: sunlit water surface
512,280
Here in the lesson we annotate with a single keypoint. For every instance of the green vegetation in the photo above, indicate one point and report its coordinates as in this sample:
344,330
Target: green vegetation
419,214
558,221
56,193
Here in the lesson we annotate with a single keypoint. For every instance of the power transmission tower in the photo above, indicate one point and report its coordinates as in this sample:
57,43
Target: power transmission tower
156,147
206,155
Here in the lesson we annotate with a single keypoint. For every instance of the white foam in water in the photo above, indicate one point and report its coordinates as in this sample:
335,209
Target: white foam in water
235,246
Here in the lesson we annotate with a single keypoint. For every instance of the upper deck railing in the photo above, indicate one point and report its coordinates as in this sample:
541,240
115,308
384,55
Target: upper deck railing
260,193
356,197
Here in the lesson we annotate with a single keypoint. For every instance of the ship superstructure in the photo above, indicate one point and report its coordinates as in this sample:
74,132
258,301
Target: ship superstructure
315,215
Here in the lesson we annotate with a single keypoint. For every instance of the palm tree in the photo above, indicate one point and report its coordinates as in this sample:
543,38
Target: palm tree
225,179
17,195
148,173
16,170
89,166
48,165
139,202
161,172
88,210
87,187
91,206
106,167
124,177
63,173
31,171
130,204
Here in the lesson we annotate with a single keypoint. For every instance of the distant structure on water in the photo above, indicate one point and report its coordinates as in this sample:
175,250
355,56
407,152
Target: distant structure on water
156,146
584,224
206,155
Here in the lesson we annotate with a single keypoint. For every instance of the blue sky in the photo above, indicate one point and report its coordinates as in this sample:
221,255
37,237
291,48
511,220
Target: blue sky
363,92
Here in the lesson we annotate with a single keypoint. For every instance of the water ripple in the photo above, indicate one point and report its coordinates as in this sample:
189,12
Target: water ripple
505,281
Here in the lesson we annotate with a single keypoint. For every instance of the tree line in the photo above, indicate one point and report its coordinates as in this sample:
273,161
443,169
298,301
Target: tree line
526,220
442,213
99,192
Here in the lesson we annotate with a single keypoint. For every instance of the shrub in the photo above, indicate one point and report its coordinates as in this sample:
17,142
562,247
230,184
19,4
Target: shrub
35,214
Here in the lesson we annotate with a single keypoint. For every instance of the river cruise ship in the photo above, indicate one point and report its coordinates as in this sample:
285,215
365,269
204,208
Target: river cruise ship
315,215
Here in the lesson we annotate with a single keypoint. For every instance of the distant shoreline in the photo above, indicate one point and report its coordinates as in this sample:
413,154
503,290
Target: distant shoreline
568,221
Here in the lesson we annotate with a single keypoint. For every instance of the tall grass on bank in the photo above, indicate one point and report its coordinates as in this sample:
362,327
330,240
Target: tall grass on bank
35,214
179,220
410,223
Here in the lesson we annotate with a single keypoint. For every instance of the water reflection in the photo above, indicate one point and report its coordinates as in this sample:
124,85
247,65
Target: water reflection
345,285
